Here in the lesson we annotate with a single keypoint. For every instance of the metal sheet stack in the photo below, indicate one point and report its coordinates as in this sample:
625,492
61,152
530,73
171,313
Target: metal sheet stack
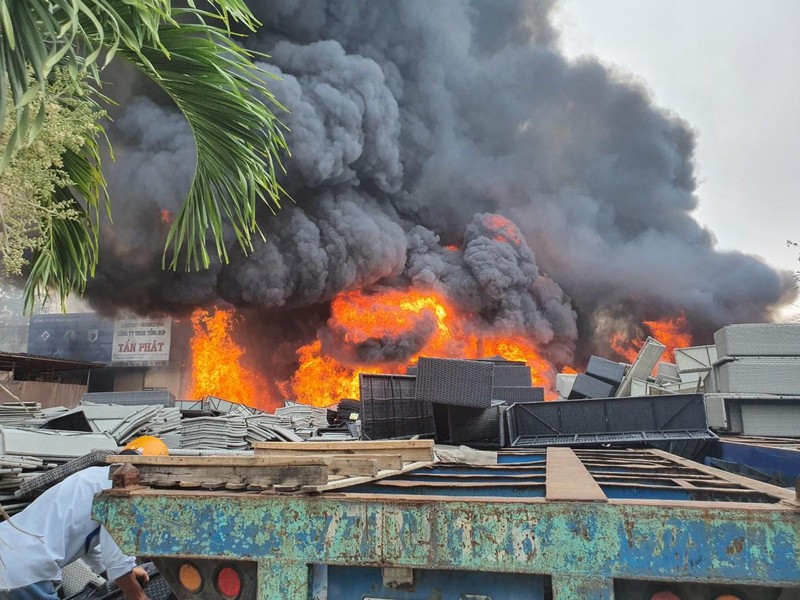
758,358
16,413
225,432
757,380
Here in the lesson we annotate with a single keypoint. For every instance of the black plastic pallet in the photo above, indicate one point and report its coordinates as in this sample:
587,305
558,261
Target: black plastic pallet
608,420
455,382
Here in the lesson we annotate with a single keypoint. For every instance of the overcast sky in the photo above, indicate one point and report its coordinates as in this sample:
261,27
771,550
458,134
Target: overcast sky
731,68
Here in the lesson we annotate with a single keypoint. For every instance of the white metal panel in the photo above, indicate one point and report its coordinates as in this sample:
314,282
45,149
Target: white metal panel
564,383
771,419
695,358
715,411
645,362
758,339
52,444
766,375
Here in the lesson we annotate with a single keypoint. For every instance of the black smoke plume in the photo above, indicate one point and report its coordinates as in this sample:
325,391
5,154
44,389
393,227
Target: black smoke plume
412,125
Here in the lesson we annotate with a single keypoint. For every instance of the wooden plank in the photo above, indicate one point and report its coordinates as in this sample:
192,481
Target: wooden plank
219,461
410,450
249,475
345,464
407,455
568,480
354,466
351,481
336,446
384,461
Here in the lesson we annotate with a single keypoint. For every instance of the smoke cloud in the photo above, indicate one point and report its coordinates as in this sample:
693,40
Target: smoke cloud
447,145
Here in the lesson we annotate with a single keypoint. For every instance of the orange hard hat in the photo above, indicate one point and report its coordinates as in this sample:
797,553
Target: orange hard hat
147,445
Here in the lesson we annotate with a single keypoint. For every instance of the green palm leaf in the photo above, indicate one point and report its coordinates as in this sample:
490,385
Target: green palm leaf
212,80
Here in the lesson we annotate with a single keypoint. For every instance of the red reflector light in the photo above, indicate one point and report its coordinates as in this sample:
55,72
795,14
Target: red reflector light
229,584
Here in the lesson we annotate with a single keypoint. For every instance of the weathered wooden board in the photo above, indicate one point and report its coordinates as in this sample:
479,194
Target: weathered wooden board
263,476
351,481
357,464
410,450
568,479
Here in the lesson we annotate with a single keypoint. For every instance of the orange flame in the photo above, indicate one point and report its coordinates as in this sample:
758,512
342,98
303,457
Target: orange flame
427,318
627,348
217,369
672,332
505,230
166,217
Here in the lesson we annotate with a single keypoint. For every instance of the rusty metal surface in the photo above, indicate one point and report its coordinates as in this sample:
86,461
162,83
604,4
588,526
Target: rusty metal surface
703,542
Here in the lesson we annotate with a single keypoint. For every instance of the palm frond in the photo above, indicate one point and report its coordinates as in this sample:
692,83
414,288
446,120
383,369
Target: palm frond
188,52
239,139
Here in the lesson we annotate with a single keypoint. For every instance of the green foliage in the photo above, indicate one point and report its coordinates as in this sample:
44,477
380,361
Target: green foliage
33,201
190,54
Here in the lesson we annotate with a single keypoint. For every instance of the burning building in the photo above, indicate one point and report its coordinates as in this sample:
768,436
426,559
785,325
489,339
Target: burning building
459,188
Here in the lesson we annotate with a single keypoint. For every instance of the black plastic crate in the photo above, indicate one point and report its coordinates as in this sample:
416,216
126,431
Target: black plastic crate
498,360
608,420
372,386
455,382
396,418
389,408
480,426
511,394
512,375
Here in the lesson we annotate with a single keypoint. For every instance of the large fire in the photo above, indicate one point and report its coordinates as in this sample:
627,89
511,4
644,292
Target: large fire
362,330
672,332
427,324
217,368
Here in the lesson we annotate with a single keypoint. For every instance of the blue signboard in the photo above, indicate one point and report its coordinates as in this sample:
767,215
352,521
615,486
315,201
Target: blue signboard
78,336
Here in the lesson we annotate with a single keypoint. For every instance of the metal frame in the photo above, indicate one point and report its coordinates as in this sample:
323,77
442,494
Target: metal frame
608,420
574,516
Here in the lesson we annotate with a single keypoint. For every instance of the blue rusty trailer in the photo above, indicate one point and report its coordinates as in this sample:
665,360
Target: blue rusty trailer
554,523
774,460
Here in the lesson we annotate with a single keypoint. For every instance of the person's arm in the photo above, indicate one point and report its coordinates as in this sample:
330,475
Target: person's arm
131,584
122,568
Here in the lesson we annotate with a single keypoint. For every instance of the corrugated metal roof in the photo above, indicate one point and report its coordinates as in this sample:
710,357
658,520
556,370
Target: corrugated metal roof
33,363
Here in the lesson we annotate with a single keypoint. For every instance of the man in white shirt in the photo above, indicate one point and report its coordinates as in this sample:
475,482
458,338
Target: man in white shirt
57,528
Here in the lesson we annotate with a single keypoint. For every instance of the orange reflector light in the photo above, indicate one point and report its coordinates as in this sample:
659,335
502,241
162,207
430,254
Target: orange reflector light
728,597
190,578
664,596
229,584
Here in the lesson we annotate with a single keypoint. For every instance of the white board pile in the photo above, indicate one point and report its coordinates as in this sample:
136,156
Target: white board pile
226,432
305,419
14,470
16,413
